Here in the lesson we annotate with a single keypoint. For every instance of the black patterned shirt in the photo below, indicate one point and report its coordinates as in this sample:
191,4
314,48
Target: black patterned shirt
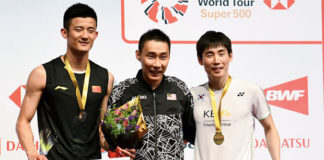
168,114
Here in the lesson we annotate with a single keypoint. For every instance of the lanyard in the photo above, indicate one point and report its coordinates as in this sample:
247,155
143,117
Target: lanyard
81,101
218,115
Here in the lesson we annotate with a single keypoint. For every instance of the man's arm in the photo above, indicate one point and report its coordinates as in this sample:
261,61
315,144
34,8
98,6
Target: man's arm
272,137
34,88
103,141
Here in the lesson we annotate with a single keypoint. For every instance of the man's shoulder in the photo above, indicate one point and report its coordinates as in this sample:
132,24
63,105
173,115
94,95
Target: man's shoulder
122,89
99,71
177,83
199,87
51,65
174,80
93,64
52,61
127,83
243,83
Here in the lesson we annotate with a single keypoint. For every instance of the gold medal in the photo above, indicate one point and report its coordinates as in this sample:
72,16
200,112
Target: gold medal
218,138
83,116
81,100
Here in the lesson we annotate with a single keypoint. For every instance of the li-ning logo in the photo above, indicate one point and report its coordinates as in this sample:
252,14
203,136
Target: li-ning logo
292,95
279,4
18,94
165,11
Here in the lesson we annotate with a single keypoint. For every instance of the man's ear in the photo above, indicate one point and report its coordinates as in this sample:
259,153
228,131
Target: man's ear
138,55
231,56
64,33
96,35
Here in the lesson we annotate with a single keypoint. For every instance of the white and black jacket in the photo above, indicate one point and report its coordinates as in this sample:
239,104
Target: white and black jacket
168,113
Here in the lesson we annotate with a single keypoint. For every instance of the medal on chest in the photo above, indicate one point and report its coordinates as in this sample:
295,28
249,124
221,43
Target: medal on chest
81,100
83,116
218,137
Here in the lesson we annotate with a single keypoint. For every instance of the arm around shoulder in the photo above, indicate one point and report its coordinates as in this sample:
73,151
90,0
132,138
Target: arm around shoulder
272,137
34,89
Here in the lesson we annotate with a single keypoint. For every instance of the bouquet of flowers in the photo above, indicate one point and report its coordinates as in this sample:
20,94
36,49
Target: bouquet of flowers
124,126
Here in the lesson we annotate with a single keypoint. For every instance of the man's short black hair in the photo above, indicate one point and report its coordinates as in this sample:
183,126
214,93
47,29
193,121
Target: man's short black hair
213,39
153,34
78,10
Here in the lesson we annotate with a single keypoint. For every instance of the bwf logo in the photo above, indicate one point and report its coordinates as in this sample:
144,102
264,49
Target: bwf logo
285,95
292,95
279,4
165,11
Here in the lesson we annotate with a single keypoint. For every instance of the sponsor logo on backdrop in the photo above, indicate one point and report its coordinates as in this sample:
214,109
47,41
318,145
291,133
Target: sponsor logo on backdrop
290,143
170,11
16,146
292,95
236,9
18,95
165,11
279,4
285,143
226,9
181,13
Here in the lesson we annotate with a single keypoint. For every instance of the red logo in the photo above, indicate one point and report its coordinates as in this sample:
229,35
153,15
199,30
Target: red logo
165,11
279,4
292,95
96,89
18,94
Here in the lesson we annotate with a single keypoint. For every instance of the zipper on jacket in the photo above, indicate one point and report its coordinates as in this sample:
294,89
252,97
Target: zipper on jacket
155,131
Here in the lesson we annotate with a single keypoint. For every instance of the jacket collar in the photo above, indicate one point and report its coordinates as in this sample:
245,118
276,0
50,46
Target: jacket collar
139,77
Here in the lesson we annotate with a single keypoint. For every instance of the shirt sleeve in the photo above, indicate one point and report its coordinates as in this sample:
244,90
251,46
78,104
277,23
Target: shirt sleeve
116,97
260,106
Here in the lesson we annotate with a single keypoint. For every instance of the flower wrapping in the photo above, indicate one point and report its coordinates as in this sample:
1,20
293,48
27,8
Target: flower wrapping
124,126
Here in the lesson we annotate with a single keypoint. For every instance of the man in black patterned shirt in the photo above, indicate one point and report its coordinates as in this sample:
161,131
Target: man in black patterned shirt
165,100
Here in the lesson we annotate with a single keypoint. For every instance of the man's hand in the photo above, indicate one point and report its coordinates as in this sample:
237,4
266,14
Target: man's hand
36,156
126,152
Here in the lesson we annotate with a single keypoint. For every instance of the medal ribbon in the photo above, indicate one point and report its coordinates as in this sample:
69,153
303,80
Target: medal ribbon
218,115
81,101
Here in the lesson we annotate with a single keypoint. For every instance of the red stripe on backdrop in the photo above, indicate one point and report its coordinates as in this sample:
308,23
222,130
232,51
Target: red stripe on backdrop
255,42
235,42
323,45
